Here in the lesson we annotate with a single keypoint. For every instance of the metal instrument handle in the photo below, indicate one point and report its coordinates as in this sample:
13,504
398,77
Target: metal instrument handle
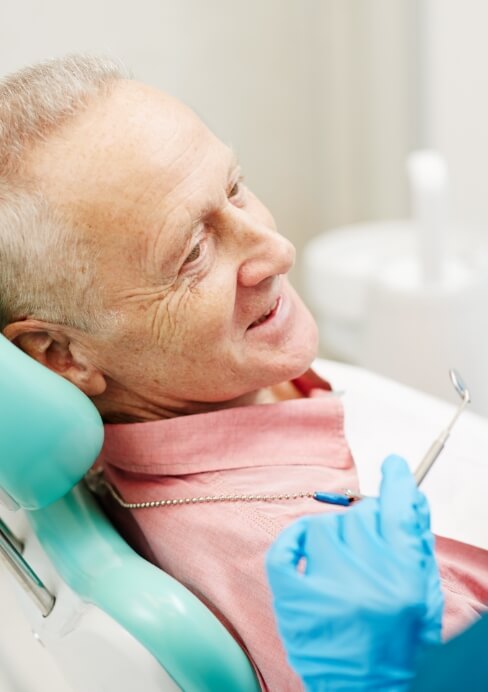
11,555
426,464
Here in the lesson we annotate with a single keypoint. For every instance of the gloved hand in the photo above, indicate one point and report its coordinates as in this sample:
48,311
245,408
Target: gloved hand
357,594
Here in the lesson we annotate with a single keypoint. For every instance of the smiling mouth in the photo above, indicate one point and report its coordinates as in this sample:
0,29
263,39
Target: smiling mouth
267,315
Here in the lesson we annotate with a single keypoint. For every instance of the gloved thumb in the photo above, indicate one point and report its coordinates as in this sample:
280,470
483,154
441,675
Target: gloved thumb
288,548
399,498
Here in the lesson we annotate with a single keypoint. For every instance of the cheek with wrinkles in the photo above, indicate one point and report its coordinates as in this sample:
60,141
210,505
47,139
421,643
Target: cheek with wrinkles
169,318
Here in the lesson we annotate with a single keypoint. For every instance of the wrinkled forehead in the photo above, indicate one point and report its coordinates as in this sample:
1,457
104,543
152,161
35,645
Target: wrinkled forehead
124,155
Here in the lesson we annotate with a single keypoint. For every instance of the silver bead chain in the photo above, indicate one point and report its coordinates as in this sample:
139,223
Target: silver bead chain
97,483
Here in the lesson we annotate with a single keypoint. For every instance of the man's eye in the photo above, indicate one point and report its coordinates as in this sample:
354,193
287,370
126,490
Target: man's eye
194,254
235,189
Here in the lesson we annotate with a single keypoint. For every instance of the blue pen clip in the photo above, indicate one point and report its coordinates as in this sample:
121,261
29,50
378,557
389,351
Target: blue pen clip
344,499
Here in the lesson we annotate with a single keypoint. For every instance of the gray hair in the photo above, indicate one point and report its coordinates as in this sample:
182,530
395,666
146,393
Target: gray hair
47,271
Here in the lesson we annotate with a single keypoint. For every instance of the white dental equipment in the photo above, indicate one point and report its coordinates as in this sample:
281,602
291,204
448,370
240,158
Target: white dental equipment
406,298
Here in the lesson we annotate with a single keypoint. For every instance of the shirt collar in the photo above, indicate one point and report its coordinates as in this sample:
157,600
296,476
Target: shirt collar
235,437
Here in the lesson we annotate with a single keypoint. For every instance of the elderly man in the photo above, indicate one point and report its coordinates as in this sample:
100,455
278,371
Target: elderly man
136,264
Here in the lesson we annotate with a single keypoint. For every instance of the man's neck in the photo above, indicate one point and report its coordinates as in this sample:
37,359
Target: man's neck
123,407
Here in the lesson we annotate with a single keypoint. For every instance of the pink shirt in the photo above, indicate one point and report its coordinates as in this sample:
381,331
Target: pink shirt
217,550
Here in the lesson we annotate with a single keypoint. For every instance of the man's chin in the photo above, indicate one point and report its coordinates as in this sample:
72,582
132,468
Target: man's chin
298,355
303,345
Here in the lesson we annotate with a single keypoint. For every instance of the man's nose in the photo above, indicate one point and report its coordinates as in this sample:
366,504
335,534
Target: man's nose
263,252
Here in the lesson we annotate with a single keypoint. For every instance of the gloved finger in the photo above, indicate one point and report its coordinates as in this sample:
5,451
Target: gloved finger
359,530
398,501
423,513
322,545
431,632
428,544
288,548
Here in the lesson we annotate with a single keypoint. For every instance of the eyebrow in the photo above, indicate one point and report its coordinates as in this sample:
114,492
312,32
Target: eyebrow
233,167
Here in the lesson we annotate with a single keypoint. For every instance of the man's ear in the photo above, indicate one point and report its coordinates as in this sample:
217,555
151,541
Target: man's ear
52,346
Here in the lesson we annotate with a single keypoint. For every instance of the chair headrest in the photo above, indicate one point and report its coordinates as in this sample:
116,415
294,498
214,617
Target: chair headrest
50,432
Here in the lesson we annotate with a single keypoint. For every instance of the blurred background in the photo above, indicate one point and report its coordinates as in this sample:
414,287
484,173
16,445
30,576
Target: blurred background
323,100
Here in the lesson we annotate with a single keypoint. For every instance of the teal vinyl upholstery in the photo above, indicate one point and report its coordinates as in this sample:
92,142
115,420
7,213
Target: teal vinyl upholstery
50,432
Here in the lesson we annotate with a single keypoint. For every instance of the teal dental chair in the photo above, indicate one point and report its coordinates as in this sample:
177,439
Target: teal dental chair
112,620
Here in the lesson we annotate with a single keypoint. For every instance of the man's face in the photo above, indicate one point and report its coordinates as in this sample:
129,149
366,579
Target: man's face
191,261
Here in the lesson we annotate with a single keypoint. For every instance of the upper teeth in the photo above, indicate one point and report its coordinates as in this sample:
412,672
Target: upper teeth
266,314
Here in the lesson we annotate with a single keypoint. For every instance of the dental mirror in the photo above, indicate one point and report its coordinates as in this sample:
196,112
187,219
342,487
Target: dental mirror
438,445
459,385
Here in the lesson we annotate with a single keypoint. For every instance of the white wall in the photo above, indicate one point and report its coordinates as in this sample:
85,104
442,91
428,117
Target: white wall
456,105
369,82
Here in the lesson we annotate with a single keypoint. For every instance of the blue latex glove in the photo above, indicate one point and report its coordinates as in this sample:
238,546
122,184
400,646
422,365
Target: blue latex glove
357,594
